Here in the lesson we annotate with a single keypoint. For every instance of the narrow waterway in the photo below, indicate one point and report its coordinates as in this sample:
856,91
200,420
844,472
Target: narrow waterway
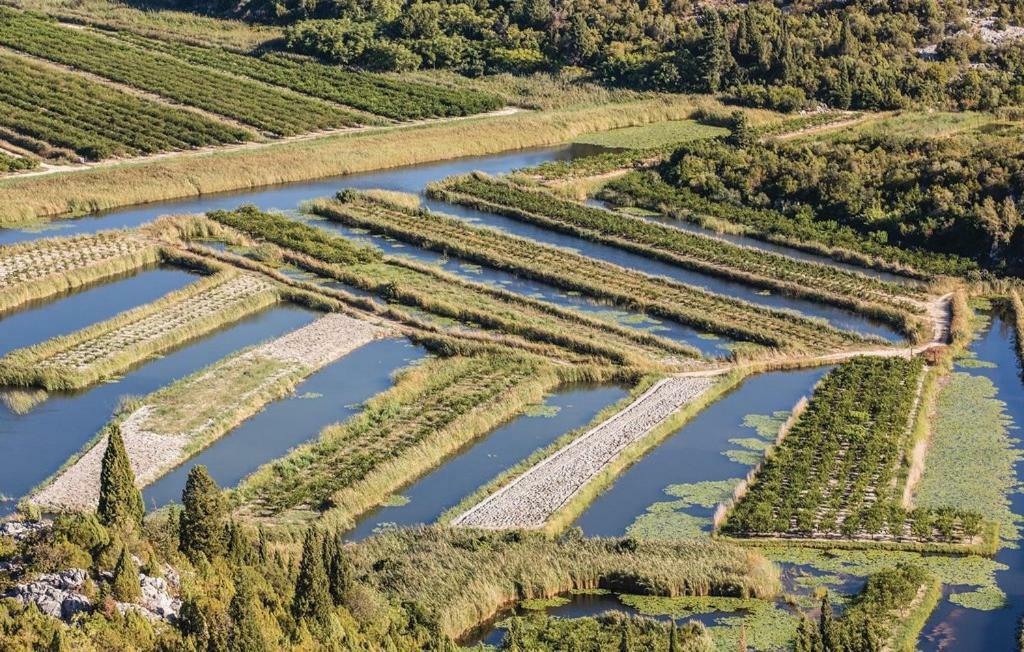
836,316
707,344
952,626
479,462
34,445
716,446
39,321
329,396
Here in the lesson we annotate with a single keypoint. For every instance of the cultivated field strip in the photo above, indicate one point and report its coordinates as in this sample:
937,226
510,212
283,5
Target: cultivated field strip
574,272
176,422
433,409
47,267
700,253
55,113
836,474
111,347
427,288
374,93
271,109
532,498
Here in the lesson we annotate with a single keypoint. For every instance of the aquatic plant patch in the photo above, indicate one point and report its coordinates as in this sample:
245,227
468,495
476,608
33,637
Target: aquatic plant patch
834,475
113,346
175,422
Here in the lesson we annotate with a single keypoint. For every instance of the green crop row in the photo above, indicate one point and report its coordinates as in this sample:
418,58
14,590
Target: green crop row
565,269
10,163
274,110
877,298
96,121
374,93
835,473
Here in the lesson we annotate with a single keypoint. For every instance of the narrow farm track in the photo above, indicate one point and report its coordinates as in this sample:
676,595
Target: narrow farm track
532,498
173,423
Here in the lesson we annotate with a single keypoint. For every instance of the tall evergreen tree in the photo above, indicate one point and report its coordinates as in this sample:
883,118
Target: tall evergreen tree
202,517
808,638
246,635
125,583
828,628
120,503
624,644
312,600
713,51
673,646
339,569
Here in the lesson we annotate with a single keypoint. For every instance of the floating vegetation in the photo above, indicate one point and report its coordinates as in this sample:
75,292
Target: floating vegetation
669,520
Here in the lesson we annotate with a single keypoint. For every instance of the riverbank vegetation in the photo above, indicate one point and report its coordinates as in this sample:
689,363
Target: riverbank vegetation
605,633
884,300
46,267
420,286
111,347
577,273
833,476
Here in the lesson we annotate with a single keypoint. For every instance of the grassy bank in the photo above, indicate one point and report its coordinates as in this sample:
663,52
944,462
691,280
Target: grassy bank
113,346
433,409
893,303
464,577
45,268
193,174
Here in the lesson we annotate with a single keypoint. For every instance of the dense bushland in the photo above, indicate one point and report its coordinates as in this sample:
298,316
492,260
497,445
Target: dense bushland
68,111
375,93
10,163
275,110
611,632
954,196
861,54
835,473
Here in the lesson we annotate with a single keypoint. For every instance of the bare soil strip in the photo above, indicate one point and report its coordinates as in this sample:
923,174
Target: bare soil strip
47,267
174,423
531,499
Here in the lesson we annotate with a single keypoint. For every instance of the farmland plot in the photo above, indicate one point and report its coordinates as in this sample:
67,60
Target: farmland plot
574,272
111,347
896,303
275,110
835,475
47,267
53,112
175,422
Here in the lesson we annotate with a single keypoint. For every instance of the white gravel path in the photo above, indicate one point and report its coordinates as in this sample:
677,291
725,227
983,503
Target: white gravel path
530,500
152,454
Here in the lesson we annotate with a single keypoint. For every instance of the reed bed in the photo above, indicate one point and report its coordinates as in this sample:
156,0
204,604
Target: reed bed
45,268
170,425
571,271
194,174
464,577
425,287
433,409
1018,321
111,347
895,303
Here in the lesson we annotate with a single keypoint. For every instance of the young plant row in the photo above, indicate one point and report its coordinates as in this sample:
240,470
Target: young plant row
275,110
374,93
427,288
113,346
835,475
624,287
70,111
440,404
10,163
824,283
588,166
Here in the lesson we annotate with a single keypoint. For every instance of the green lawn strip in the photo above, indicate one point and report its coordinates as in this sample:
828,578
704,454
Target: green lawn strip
653,136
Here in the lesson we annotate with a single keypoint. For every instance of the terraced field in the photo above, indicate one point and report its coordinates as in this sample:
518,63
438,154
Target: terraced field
108,348
568,270
532,498
901,305
46,267
175,422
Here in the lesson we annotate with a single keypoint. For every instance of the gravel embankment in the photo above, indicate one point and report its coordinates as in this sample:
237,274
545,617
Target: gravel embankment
152,453
531,499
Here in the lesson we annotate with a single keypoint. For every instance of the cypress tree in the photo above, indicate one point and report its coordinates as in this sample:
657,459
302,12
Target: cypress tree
312,601
246,635
827,627
624,645
808,639
339,569
202,519
713,51
120,503
672,645
125,584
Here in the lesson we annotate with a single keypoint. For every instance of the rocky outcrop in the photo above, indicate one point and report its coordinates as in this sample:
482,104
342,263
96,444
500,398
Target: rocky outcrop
56,594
